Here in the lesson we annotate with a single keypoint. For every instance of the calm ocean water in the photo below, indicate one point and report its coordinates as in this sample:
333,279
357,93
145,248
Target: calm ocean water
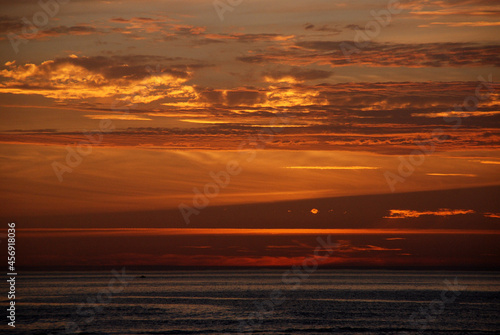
259,302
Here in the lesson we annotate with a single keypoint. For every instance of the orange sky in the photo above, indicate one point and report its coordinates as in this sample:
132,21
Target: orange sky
120,110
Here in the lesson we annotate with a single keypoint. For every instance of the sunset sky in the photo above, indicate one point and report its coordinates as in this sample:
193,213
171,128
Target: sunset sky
373,122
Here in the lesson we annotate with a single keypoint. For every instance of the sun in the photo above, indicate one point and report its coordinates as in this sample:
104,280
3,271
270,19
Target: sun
314,211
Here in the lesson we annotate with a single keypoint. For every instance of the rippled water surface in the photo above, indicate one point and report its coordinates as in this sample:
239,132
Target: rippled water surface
259,302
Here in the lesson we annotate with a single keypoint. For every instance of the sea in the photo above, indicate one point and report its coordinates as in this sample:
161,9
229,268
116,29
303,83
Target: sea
278,301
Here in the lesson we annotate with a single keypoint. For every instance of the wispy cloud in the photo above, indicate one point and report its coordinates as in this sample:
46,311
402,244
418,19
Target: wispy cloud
380,54
450,114
333,167
446,8
406,213
452,174
128,117
466,24
61,232
489,162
